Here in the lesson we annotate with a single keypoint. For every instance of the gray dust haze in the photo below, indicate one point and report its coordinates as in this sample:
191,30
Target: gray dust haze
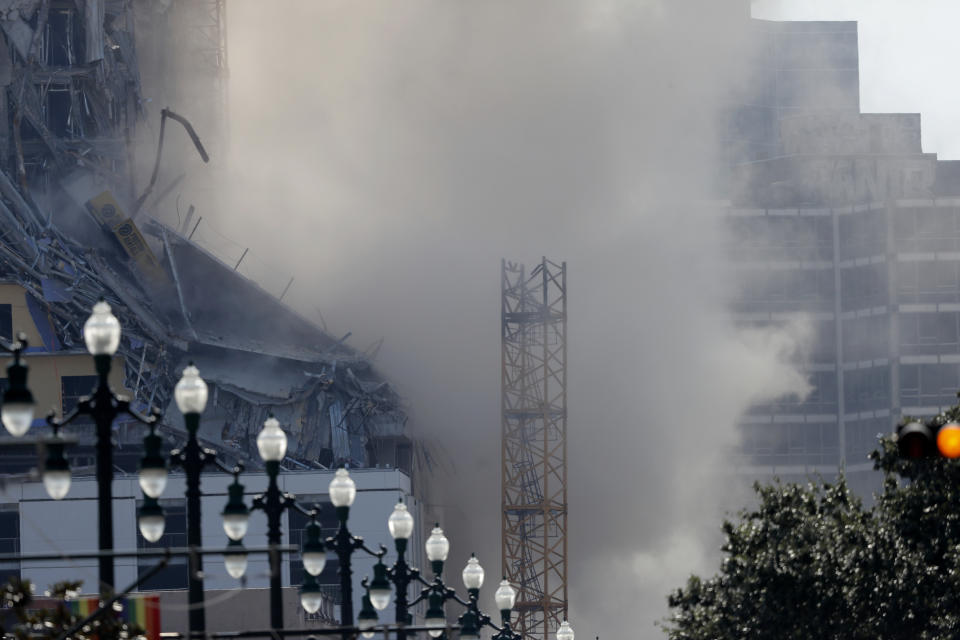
389,154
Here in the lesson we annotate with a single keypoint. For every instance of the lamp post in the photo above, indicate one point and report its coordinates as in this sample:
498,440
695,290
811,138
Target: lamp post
393,581
343,491
437,547
236,517
190,394
505,597
272,444
471,620
17,411
565,631
400,524
56,469
367,619
101,333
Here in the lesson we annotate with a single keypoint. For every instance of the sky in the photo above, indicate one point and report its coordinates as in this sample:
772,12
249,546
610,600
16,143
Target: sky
908,54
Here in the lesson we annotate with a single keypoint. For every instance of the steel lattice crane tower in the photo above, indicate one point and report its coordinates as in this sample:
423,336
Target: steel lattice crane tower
534,442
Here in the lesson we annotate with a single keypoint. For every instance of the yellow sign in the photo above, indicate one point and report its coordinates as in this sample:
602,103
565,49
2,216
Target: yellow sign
108,212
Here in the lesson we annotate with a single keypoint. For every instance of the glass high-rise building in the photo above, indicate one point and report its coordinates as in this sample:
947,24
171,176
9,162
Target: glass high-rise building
840,216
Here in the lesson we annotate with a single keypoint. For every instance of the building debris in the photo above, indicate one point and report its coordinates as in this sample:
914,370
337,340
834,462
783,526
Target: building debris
74,229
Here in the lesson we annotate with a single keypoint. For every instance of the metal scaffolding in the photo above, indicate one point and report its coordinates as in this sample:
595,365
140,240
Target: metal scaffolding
203,37
534,442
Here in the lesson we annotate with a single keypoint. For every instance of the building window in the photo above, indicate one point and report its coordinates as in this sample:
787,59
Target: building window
862,437
297,522
405,458
6,322
174,575
9,541
791,443
867,389
72,388
65,44
929,385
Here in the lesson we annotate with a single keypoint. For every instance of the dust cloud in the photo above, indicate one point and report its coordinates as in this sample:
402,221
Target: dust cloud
390,154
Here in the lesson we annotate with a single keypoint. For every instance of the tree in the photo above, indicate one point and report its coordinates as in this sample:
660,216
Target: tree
31,620
810,561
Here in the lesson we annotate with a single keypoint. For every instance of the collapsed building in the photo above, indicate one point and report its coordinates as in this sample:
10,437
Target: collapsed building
78,224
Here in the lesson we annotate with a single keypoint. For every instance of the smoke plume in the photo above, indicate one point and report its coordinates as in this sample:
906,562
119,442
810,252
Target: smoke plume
390,154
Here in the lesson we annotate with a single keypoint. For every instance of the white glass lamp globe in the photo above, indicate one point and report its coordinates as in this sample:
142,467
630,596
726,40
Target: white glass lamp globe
367,619
380,598
235,564
311,598
314,562
473,573
438,547
153,480
17,417
313,553
235,525
565,631
101,331
191,391
400,522
151,527
57,483
343,490
506,596
436,626
272,441
311,601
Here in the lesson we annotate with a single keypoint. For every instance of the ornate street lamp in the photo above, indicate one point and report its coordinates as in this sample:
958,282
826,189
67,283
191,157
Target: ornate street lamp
272,441
469,626
473,575
101,333
565,631
343,491
235,514
437,547
150,519
400,524
313,553
380,589
272,444
470,620
310,595
17,411
367,619
235,562
153,468
436,618
190,394
56,469
505,597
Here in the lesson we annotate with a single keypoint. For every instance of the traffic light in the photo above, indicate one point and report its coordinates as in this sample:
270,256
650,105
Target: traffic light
934,439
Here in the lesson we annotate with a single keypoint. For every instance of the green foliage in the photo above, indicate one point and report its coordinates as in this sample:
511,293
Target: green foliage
31,620
810,561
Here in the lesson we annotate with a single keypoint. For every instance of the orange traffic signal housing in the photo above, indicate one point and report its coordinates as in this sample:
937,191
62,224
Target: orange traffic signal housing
918,440
948,440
